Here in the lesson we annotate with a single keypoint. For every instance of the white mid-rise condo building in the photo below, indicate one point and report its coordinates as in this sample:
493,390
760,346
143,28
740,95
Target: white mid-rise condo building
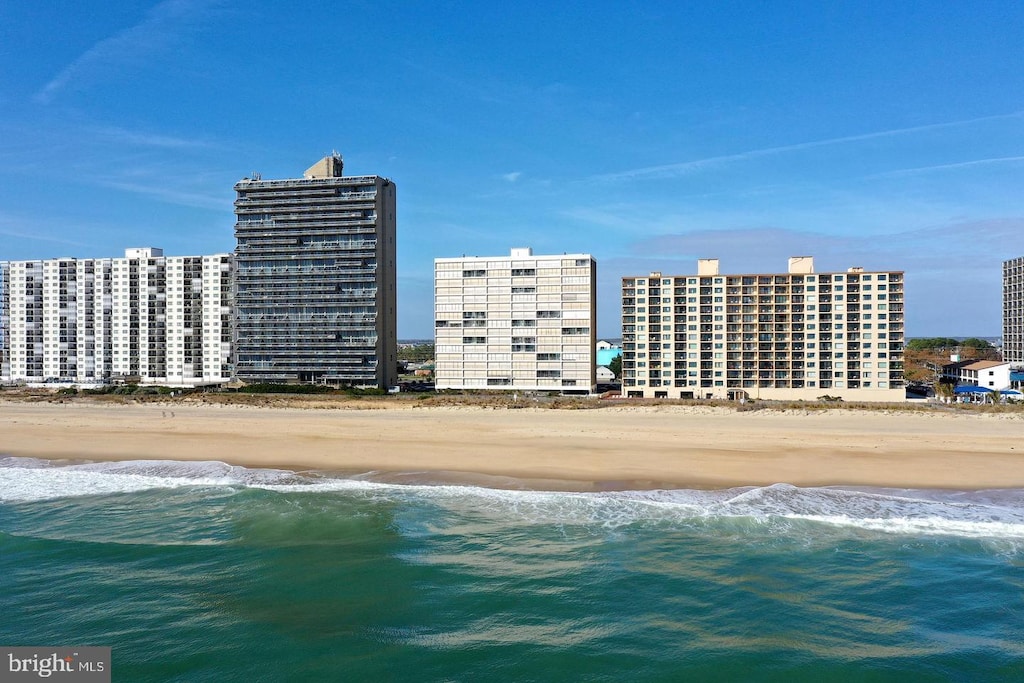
520,322
146,317
789,336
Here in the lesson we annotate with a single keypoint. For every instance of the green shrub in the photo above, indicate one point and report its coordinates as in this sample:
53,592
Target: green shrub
370,391
272,388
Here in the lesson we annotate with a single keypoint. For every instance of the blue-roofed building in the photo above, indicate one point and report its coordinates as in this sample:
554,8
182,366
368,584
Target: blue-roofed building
607,352
1017,379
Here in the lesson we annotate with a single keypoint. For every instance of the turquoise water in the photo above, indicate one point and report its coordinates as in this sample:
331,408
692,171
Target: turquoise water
205,572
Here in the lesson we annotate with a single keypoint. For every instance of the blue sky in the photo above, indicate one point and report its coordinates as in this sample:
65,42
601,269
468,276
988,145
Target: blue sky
888,135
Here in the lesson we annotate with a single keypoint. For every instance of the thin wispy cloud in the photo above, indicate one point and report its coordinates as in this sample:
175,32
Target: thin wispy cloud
147,139
492,90
757,249
40,238
696,165
945,167
131,46
15,228
512,177
171,195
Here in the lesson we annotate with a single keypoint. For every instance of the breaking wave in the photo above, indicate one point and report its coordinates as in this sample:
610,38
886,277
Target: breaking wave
995,513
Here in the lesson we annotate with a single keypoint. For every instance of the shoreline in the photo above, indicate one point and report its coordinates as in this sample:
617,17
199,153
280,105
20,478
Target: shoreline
614,448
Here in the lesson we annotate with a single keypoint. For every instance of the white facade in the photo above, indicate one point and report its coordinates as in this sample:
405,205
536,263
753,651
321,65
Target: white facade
165,320
989,374
787,336
518,322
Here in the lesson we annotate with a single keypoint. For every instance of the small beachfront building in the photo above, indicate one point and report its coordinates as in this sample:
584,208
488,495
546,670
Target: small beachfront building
988,374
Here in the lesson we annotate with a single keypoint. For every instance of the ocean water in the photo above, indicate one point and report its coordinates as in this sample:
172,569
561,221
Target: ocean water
207,572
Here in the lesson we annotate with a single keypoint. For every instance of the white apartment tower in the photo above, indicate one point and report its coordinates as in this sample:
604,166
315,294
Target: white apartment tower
788,336
162,320
519,322
1013,310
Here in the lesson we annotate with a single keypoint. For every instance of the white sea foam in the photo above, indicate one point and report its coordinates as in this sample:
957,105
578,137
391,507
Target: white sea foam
985,514
29,479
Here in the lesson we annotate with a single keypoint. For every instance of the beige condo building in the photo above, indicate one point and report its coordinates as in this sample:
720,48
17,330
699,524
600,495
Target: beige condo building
788,336
520,322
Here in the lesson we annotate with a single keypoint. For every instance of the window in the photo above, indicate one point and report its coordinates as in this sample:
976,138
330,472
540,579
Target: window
523,272
474,273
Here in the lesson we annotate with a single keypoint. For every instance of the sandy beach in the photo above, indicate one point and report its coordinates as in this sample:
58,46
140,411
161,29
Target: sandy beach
615,447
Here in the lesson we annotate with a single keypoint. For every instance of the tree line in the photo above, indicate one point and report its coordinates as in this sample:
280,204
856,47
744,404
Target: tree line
418,353
947,343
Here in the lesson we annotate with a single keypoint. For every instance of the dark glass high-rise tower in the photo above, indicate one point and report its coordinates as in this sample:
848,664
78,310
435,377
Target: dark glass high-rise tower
315,286
1013,310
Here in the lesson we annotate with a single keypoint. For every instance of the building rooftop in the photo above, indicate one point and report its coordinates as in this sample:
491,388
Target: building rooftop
984,364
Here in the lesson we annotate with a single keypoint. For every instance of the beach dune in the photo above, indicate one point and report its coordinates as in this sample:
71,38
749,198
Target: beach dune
614,447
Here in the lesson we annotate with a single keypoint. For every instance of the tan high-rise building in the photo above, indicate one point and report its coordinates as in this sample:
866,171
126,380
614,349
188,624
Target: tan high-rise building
520,322
793,335
1013,310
